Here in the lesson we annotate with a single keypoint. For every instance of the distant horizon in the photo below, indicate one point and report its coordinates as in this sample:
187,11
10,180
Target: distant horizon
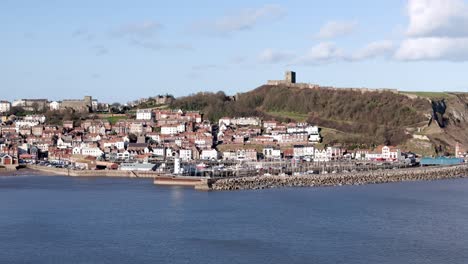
120,50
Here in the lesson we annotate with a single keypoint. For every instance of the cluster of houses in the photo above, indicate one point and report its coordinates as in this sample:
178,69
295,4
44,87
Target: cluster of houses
155,134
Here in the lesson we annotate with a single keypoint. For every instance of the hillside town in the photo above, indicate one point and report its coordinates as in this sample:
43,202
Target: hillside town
144,138
146,134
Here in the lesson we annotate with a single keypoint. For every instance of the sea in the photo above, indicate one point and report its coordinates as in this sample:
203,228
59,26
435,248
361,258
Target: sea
54,219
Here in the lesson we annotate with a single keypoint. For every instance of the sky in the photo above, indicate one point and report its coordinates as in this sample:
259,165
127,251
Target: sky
119,50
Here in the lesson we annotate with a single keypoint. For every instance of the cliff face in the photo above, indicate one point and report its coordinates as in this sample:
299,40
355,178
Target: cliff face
451,117
438,110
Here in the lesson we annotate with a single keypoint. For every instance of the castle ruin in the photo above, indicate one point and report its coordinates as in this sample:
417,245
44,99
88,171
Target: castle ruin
84,105
290,82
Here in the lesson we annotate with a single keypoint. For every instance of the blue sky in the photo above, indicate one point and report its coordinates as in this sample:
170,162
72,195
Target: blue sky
123,50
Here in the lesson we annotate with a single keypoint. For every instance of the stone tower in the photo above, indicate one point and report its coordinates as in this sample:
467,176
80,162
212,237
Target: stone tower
88,100
290,77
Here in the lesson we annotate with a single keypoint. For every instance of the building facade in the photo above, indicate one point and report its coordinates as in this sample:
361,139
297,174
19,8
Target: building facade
5,106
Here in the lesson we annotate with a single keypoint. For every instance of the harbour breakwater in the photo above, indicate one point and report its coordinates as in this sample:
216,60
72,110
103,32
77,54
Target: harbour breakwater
358,178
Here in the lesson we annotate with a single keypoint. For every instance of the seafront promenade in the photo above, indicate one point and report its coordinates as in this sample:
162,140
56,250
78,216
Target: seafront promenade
159,178
93,173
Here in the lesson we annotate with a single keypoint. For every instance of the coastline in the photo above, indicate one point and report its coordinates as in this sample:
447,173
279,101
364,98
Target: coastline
265,182
327,180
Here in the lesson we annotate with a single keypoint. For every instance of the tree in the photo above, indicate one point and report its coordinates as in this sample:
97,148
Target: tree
133,138
17,111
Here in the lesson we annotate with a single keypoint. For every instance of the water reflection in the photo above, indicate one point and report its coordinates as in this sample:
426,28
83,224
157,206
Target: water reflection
177,195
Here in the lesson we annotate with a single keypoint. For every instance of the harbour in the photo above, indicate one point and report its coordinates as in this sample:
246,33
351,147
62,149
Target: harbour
207,180
59,219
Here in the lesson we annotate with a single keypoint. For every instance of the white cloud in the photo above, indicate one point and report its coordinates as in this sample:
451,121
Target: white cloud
275,56
145,29
243,20
146,35
373,50
437,18
158,45
334,29
437,30
324,52
451,49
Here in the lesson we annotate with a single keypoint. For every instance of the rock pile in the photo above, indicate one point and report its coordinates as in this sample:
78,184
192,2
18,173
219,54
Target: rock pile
358,178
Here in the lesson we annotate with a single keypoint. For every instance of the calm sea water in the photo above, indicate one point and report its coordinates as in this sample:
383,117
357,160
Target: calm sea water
104,220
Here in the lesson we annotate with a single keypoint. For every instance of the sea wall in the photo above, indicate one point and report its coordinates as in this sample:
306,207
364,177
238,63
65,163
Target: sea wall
94,173
5,168
359,178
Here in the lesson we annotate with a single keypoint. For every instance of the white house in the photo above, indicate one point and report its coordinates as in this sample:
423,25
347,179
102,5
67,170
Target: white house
315,138
93,151
63,144
159,151
154,136
303,128
271,153
240,155
181,128
118,143
333,152
44,145
39,118
169,153
169,130
144,114
303,151
246,154
381,153
321,155
24,123
270,124
54,105
4,106
225,120
185,154
222,127
209,154
76,151
178,142
246,121
391,153
229,155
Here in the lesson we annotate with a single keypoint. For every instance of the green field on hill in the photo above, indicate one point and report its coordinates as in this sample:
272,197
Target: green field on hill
115,119
430,95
